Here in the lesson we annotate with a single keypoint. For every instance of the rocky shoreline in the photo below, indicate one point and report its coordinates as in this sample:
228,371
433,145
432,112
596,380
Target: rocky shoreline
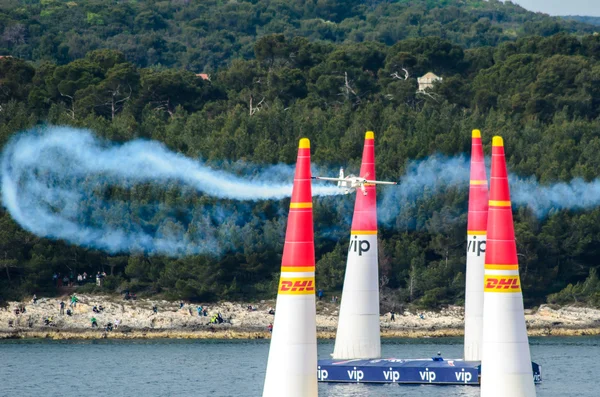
137,320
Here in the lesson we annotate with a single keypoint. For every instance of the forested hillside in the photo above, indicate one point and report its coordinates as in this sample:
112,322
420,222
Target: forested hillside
587,20
202,35
540,93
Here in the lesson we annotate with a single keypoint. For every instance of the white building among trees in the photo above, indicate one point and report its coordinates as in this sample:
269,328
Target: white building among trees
427,81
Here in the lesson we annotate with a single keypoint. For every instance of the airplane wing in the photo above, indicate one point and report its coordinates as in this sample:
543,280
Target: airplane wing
381,182
323,178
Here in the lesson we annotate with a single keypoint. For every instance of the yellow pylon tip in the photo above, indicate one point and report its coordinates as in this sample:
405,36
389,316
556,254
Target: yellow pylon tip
304,143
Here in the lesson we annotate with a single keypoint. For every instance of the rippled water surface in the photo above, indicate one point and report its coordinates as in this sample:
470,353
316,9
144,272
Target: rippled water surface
237,368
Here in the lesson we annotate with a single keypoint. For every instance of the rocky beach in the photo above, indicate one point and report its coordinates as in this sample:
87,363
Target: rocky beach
136,319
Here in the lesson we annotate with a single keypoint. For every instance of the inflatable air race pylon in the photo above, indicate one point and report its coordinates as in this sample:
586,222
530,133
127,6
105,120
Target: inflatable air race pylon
292,365
506,368
358,323
476,241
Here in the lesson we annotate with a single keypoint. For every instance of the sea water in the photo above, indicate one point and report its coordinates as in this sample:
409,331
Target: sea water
224,368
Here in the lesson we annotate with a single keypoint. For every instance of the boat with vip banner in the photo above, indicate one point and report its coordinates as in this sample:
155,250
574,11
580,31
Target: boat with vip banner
435,371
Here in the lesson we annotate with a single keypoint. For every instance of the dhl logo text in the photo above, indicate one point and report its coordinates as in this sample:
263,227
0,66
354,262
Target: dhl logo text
502,284
297,286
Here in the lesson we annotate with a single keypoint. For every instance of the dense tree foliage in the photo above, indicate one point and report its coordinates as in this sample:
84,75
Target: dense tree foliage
539,92
202,35
584,19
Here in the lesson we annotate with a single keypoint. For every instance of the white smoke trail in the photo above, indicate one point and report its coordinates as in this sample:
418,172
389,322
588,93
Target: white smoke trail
425,178
49,178
54,182
68,151
574,195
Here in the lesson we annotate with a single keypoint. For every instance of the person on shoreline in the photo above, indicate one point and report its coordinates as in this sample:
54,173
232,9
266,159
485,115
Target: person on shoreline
181,304
117,322
69,312
392,316
62,308
199,310
270,327
155,310
94,322
34,299
217,319
79,279
74,301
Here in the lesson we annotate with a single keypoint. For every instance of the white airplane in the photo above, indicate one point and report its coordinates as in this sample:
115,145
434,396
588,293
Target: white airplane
353,182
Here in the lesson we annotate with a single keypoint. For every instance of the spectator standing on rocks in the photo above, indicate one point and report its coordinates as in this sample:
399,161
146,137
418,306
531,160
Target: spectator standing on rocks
270,327
79,279
320,294
392,316
74,301
199,309
62,308
181,304
117,322
94,322
34,299
155,309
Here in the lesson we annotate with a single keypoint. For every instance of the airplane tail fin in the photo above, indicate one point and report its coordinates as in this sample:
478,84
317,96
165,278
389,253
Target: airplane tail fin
340,183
